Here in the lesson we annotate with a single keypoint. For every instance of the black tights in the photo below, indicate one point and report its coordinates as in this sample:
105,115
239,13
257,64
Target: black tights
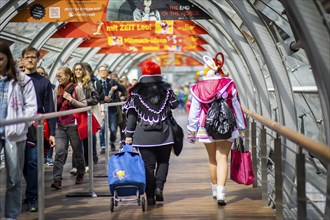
155,158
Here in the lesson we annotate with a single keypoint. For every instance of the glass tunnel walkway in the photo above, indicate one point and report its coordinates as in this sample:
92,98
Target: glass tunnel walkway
276,51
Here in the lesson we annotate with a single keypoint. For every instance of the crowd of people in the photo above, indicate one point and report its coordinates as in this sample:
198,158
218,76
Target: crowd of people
26,90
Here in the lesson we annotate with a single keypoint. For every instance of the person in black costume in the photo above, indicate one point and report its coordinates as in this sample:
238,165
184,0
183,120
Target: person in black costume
147,111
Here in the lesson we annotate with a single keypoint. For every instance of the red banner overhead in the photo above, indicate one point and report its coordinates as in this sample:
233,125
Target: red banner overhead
128,29
143,41
174,60
151,49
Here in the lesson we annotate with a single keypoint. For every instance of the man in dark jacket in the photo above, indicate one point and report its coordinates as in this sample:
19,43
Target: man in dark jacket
45,102
111,89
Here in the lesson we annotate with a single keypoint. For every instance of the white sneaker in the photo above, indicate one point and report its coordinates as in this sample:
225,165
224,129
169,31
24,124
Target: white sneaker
214,190
73,171
86,169
221,192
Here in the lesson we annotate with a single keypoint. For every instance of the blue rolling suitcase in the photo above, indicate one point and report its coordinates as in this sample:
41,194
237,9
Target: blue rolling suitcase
126,177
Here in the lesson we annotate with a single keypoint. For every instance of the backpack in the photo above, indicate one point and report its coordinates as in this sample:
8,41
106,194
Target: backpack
220,120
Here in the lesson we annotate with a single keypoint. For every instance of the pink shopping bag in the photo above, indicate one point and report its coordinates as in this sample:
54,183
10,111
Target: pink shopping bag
241,170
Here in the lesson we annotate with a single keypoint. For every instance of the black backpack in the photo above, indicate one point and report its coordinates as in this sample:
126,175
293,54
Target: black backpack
220,120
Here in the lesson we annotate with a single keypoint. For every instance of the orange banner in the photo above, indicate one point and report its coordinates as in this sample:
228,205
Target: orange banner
59,11
174,60
143,41
150,49
108,10
128,29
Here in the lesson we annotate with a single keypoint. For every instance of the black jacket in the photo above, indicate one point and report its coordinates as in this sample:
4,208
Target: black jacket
147,110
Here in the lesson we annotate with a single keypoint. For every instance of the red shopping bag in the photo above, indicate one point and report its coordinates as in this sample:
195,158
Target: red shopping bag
241,170
82,123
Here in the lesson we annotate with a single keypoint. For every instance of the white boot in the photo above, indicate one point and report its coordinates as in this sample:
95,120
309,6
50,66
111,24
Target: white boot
214,190
221,195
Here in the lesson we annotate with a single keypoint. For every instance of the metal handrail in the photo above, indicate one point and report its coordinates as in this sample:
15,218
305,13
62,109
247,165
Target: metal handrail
40,144
298,183
319,149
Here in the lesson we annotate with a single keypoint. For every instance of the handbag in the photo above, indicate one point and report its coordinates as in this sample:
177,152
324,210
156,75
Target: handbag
241,170
177,134
82,123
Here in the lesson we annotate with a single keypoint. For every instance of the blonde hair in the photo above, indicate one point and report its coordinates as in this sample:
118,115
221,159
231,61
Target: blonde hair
85,79
67,71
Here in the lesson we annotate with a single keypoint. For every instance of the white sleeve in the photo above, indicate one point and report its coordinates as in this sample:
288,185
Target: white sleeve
194,115
30,106
238,111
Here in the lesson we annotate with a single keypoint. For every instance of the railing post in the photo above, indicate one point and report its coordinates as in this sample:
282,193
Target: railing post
254,151
90,155
278,177
106,136
247,133
301,185
301,178
41,173
264,160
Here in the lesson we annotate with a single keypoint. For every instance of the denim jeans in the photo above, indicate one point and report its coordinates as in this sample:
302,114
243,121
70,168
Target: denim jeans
14,161
155,158
112,122
31,172
64,134
48,151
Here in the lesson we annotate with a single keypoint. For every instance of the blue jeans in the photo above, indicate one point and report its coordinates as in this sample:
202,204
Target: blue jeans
31,172
112,122
14,161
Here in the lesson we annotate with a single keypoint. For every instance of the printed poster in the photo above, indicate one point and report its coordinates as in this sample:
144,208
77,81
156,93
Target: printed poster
109,10
127,29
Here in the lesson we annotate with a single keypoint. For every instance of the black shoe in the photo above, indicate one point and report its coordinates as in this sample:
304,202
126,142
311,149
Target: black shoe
95,159
33,206
221,202
79,178
56,185
151,201
102,150
113,147
159,195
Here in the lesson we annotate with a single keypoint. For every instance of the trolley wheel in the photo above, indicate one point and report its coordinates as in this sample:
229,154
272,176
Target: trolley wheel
112,204
139,201
143,204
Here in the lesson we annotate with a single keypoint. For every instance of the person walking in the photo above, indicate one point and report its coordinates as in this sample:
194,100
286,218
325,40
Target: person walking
204,92
82,78
147,111
67,96
96,109
17,99
44,92
111,89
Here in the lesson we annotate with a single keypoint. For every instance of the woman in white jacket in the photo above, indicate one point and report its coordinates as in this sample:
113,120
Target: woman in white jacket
17,99
213,86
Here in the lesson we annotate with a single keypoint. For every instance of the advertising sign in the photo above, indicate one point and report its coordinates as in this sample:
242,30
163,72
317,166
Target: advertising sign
108,10
127,29
143,41
176,60
150,49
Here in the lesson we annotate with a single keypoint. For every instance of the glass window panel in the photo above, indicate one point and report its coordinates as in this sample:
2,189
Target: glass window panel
25,29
